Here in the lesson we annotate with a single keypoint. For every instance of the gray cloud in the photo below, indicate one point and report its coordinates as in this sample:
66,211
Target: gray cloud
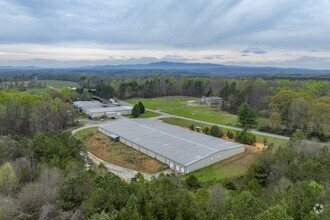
253,50
184,24
257,25
213,57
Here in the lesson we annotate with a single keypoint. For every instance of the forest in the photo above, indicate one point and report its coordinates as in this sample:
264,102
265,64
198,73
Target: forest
42,172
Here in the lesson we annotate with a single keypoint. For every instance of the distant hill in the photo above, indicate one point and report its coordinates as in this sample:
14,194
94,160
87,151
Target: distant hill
159,65
168,68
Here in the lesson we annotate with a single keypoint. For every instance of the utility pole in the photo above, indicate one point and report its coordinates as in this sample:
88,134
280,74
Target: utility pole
193,114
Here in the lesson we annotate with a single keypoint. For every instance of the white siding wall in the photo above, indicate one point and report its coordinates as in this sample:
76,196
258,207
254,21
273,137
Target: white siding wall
215,158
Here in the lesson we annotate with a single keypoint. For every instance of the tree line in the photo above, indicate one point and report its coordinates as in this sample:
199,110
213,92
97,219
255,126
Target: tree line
25,114
288,105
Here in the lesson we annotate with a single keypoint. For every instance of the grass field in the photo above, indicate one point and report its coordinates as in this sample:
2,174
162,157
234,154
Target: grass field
166,102
205,113
59,84
118,153
186,124
37,91
148,114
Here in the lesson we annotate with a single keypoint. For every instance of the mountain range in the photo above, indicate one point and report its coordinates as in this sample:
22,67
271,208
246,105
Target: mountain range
203,68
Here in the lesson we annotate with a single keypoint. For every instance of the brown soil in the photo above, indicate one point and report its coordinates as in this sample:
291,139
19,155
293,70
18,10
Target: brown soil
122,155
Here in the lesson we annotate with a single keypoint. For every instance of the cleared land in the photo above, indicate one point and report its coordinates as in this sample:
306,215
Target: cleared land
118,153
182,106
205,113
165,102
59,84
39,91
186,124
148,114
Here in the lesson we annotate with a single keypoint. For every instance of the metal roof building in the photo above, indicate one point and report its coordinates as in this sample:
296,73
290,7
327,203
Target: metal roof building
183,150
97,109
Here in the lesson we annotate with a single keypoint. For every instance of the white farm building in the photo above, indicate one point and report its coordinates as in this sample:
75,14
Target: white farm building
181,149
96,109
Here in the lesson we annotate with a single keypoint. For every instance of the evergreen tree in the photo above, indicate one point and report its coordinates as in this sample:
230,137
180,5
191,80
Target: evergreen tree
141,107
136,111
216,131
246,115
8,179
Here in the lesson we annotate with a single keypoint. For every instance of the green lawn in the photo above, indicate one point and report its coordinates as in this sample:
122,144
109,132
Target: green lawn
205,113
148,114
165,102
86,133
59,84
186,123
230,168
37,91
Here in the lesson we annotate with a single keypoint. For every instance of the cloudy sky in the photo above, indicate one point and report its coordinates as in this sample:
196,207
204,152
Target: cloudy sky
67,33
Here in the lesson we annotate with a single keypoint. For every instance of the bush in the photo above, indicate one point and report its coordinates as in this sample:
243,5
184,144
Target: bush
216,131
141,107
230,134
192,182
75,124
245,137
206,130
192,127
136,111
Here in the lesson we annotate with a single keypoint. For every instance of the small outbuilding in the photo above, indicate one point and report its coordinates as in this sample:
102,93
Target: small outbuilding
181,149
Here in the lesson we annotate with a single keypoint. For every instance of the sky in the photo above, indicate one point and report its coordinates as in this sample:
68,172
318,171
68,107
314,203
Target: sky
71,33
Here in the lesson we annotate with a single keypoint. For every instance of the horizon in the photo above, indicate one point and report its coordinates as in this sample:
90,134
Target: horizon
146,64
53,34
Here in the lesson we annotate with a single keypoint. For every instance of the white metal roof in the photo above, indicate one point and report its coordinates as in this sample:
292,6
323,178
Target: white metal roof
96,106
180,145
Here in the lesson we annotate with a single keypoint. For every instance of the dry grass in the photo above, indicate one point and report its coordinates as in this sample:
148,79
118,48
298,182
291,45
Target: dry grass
122,155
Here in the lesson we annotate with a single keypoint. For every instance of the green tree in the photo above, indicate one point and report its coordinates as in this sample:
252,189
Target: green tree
192,182
275,119
141,107
136,111
245,206
8,179
105,216
274,213
246,115
205,208
132,206
216,131
71,193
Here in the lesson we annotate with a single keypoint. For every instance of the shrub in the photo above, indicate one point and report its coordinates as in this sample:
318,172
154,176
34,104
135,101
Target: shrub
192,127
216,131
230,134
141,107
75,124
136,111
192,182
206,130
245,137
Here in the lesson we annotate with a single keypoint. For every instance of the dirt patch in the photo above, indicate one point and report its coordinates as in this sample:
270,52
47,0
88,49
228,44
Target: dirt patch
122,155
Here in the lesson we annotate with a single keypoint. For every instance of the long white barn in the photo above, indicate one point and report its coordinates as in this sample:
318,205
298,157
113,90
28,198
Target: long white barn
182,149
